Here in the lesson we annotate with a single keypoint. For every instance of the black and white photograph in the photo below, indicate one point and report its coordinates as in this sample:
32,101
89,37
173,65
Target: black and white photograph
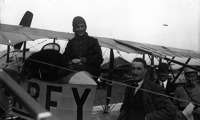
99,59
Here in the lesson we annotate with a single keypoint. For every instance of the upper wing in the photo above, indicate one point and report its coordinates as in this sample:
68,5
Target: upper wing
160,51
12,34
143,48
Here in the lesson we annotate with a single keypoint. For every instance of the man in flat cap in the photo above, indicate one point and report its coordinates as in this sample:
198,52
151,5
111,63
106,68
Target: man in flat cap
188,94
83,53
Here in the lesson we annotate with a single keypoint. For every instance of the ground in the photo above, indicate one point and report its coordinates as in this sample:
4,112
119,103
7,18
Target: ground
100,99
117,95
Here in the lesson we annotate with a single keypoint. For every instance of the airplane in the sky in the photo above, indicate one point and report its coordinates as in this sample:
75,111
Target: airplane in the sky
73,100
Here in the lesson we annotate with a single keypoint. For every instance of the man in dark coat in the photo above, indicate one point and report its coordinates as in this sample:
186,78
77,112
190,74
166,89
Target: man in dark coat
145,100
164,81
188,93
83,52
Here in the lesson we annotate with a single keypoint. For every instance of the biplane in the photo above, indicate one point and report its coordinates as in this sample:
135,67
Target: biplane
72,100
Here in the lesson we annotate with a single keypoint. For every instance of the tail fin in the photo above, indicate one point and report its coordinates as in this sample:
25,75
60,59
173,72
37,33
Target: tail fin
26,22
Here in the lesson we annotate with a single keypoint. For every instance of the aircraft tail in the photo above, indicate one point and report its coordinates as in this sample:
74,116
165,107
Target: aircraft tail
26,22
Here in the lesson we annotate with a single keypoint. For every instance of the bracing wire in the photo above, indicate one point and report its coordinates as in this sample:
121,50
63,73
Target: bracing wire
107,80
105,52
33,46
119,83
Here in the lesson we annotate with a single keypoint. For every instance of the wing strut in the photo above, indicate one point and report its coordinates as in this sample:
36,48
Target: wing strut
182,64
37,112
181,70
152,68
169,62
110,71
8,55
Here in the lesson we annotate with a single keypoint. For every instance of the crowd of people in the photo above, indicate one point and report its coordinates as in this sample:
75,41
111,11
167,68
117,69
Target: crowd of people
162,99
145,100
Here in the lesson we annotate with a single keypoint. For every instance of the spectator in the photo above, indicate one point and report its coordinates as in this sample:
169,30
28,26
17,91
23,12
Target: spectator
150,104
164,81
188,92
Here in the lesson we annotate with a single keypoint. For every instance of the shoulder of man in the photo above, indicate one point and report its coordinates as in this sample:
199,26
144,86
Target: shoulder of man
92,38
153,86
157,81
93,41
70,40
171,84
179,88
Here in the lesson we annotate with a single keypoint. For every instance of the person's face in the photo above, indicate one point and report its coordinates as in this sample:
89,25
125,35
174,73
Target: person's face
163,76
80,29
138,71
191,77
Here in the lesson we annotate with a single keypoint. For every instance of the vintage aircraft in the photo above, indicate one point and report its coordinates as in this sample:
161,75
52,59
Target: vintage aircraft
73,100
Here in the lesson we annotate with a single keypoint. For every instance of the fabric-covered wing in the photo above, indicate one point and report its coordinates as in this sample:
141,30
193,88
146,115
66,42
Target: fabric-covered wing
13,34
160,51
143,48
111,43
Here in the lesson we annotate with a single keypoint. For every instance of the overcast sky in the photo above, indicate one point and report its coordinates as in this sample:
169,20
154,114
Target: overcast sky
172,23
135,20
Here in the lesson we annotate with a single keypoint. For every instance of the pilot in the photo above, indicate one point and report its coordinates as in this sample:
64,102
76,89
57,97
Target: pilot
83,52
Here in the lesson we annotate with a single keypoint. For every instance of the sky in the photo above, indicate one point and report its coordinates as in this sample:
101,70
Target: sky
171,23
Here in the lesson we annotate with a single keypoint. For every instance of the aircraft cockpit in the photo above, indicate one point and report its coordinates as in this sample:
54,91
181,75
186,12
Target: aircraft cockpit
44,64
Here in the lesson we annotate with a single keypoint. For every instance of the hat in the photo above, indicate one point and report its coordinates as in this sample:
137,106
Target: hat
77,20
163,67
189,70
